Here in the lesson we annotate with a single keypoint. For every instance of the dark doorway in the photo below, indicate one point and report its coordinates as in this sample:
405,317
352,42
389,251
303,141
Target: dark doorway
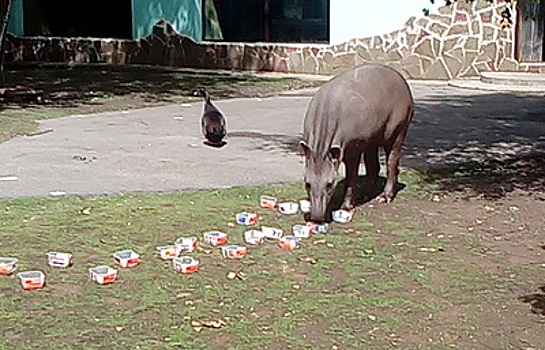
530,31
267,20
69,18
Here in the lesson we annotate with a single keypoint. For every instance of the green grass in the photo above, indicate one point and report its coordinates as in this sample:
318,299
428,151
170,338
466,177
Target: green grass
357,293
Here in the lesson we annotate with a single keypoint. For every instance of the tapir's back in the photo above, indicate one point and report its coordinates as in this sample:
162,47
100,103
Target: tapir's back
367,102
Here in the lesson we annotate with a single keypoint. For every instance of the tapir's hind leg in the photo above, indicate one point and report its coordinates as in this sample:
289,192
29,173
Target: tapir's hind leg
393,153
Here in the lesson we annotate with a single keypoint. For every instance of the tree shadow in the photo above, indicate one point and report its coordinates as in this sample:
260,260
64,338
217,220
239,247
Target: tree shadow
66,86
536,301
491,179
490,144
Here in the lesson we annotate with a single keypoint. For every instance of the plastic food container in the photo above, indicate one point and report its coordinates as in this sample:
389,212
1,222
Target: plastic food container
126,258
302,231
288,208
168,252
56,259
271,232
185,264
8,265
254,237
103,274
318,228
290,242
246,219
32,279
234,251
215,237
342,216
267,202
305,205
186,244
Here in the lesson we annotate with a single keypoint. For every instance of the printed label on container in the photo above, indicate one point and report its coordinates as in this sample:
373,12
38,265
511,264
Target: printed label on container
215,238
234,252
8,266
32,279
246,219
267,202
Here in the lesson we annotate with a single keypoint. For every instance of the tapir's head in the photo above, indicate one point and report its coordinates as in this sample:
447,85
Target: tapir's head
320,179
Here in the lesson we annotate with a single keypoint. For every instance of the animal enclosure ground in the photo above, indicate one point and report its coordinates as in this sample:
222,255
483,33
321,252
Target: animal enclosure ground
436,269
457,261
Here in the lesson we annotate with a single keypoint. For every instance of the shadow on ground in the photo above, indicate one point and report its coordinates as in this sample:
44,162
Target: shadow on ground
453,127
491,179
65,86
536,301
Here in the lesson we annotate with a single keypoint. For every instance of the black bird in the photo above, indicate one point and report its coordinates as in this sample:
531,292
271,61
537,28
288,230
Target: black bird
212,122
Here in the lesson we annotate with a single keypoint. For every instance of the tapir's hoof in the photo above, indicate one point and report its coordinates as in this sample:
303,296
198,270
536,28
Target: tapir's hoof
383,198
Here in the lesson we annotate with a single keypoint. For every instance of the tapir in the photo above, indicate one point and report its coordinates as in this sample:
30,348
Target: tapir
354,114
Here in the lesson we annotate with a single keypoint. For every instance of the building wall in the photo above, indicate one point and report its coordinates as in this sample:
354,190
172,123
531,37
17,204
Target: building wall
351,19
459,41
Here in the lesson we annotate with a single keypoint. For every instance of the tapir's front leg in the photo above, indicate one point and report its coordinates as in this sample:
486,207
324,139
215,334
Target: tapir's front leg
351,164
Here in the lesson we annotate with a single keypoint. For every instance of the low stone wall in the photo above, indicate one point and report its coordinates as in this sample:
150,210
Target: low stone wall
461,41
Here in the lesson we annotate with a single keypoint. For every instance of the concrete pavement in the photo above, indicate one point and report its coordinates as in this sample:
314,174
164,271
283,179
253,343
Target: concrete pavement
160,149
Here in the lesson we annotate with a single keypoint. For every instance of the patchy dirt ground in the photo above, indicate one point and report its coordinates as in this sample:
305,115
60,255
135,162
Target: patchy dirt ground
493,219
491,214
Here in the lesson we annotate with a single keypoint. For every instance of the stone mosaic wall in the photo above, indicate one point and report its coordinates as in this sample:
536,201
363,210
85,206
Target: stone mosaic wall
459,42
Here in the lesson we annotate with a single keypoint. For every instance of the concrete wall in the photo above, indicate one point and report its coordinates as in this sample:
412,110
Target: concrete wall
459,41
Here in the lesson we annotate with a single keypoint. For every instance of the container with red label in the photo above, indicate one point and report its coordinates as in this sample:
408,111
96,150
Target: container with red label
126,258
271,232
32,279
168,252
246,219
234,252
254,237
318,228
290,242
186,244
267,202
103,274
8,265
56,259
185,264
215,237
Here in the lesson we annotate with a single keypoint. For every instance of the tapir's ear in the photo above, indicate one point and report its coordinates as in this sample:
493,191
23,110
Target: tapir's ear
305,149
335,152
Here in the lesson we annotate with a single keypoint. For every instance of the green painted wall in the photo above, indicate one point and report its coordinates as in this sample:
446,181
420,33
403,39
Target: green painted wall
15,24
185,15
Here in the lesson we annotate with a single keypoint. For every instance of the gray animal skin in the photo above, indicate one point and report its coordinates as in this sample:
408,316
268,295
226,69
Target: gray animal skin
355,113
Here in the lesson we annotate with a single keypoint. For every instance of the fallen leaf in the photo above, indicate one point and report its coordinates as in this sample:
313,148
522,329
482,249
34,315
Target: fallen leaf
309,260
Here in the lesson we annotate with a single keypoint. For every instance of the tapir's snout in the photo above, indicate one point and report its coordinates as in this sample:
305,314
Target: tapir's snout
319,212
